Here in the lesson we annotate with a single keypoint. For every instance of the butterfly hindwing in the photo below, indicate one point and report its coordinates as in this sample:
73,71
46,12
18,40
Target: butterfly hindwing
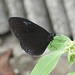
36,45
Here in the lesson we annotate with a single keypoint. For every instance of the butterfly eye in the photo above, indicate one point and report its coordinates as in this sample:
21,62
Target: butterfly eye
53,34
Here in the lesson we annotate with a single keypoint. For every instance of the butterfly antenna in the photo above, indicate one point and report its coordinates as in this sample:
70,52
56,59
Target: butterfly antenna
59,25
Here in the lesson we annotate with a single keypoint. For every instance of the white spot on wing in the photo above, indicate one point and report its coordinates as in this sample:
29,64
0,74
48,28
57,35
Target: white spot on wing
29,51
29,23
15,30
18,34
26,23
27,30
20,37
22,40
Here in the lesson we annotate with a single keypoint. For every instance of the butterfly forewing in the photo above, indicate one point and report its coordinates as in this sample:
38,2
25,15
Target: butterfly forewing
33,38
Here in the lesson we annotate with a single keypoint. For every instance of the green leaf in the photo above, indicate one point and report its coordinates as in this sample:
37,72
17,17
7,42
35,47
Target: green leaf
59,42
71,58
62,42
71,52
73,73
47,63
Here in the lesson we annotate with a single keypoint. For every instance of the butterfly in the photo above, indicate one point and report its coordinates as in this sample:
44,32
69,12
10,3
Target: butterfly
33,38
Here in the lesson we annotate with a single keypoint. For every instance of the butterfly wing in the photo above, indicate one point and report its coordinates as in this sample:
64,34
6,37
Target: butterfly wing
33,38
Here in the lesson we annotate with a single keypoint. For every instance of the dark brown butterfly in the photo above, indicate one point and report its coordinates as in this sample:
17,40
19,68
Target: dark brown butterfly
33,38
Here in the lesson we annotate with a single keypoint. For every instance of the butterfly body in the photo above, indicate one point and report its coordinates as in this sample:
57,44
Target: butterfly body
33,38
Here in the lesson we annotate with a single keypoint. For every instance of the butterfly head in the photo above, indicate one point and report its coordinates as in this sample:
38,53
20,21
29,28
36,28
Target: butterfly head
51,36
